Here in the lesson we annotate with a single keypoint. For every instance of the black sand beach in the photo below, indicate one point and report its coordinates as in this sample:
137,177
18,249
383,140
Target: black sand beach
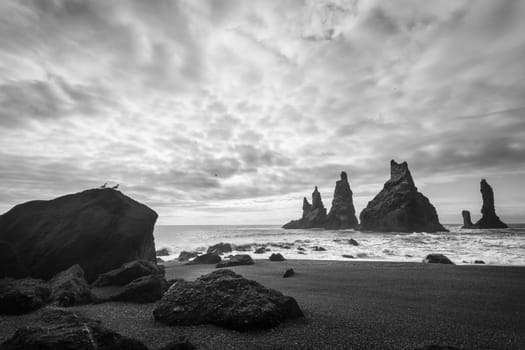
350,305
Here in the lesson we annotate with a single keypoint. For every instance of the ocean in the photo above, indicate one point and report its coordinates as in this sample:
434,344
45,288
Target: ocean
495,247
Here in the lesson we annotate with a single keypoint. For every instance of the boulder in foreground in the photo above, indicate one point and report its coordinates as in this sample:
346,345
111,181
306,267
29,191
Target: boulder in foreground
126,273
99,229
225,299
146,289
63,330
241,259
399,207
69,287
22,296
437,259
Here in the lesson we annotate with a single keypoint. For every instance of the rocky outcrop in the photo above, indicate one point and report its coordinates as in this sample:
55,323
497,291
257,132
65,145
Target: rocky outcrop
69,287
399,207
127,273
211,258
437,259
467,222
220,248
236,260
489,218
146,289
23,295
99,229
342,212
314,215
63,330
10,263
225,299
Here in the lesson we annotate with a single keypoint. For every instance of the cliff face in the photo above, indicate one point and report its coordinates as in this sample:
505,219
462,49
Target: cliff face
314,215
342,212
489,219
399,207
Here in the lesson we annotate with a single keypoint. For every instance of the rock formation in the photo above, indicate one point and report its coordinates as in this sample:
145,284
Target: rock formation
314,215
126,273
23,295
69,287
437,259
211,258
342,212
236,260
145,289
467,222
489,218
99,229
399,207
225,299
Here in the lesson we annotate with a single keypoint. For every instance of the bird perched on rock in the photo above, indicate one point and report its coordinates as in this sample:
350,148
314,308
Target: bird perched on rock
114,187
104,185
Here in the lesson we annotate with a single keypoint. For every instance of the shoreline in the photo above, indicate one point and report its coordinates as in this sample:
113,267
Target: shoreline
349,305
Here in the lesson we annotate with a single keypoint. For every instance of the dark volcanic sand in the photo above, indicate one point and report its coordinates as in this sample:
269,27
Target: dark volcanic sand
351,305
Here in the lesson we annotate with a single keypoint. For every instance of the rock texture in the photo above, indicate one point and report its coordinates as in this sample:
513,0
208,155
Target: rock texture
226,299
467,222
10,263
399,207
342,212
489,218
23,295
241,259
69,287
437,259
146,289
314,215
99,229
126,273
62,330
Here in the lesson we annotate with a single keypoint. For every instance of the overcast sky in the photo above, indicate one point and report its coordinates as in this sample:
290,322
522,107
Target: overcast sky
229,112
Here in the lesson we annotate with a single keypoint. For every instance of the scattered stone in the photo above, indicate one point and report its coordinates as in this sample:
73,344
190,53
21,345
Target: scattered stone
314,215
348,256
353,242
99,229
318,249
163,252
399,207
288,273
467,222
146,289
437,259
185,256
63,330
241,259
479,262
22,295
128,272
260,250
342,212
225,299
277,257
70,288
489,218
208,258
10,263
220,248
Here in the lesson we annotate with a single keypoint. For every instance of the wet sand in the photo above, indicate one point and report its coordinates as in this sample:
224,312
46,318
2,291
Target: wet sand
350,305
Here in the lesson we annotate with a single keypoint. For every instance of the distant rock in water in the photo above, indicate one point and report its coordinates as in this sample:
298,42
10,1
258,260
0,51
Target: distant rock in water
467,222
399,207
314,215
342,212
489,218
99,229
437,259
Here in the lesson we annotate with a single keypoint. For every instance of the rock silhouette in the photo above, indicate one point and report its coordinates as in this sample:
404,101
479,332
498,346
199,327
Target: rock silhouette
342,212
489,219
399,207
314,215
467,222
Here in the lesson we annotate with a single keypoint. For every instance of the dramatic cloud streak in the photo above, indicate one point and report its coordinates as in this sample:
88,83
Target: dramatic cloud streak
231,111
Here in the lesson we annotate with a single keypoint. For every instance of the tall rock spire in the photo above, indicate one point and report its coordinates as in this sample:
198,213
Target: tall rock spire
342,212
489,218
314,215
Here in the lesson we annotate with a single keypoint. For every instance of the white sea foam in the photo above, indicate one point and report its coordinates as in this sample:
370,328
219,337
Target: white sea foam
505,247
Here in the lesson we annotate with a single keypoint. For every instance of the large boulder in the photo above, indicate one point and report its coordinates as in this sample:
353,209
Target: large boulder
220,248
314,215
437,259
99,229
276,257
399,207
489,218
146,289
22,295
467,222
126,273
211,258
226,299
57,329
240,259
342,212
10,263
69,287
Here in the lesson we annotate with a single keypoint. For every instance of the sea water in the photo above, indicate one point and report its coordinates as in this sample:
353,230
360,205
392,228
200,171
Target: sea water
463,246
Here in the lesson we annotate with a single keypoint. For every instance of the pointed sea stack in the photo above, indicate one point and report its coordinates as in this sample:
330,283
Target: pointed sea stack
399,207
342,213
314,215
489,218
467,222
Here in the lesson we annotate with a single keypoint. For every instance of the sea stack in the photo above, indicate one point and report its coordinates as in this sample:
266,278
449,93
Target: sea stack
489,218
399,207
342,212
314,215
99,229
467,222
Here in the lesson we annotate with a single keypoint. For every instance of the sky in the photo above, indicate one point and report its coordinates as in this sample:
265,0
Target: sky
230,112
